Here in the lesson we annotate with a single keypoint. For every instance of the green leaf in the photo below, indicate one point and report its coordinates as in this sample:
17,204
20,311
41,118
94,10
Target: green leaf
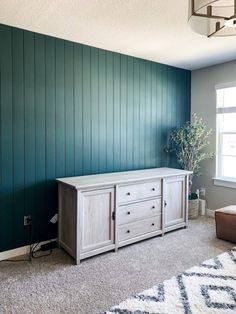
188,142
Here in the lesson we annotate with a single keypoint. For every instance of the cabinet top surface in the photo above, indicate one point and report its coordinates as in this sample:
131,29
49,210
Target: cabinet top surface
114,178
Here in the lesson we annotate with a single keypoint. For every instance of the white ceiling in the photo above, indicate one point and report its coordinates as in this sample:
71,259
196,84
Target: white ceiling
151,29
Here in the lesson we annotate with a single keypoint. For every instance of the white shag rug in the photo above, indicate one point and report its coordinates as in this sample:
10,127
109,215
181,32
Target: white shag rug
209,288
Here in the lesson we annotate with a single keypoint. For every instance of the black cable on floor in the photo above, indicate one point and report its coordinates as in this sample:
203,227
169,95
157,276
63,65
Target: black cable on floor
32,250
43,255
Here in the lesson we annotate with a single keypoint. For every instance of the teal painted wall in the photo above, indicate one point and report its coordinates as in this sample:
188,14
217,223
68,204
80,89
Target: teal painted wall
68,109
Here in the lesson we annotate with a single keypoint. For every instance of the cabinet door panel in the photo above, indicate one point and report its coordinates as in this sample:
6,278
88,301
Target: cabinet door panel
174,201
96,224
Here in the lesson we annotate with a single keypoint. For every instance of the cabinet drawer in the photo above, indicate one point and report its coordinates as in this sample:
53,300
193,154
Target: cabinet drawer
137,211
139,228
129,193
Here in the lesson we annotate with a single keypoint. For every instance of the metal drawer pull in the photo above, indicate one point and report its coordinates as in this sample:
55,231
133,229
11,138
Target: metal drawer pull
153,207
128,193
153,224
128,213
128,231
165,204
153,189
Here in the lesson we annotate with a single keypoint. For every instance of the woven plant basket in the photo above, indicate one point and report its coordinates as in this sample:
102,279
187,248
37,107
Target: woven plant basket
193,209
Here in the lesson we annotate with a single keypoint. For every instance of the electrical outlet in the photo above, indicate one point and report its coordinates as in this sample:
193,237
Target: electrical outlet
202,192
27,220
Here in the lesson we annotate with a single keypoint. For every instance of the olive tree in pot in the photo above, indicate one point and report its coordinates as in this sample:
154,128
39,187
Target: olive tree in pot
188,142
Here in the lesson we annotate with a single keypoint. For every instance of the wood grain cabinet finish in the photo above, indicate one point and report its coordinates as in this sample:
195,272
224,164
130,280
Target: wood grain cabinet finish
96,223
138,211
103,212
174,200
138,228
130,193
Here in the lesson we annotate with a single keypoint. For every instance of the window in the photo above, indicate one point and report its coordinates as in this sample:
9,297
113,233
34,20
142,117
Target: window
226,133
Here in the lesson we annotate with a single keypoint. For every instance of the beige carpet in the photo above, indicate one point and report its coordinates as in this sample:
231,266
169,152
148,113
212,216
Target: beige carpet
55,285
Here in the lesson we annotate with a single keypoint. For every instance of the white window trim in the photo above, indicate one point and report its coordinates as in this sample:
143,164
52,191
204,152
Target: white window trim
225,85
220,154
225,182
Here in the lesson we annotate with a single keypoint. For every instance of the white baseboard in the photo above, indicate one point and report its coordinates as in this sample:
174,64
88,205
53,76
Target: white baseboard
20,251
210,213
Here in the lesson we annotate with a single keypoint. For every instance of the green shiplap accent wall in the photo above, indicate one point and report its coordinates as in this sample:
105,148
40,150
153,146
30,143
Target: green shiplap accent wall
68,109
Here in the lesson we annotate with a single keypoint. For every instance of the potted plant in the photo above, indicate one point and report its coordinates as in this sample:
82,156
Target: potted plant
188,143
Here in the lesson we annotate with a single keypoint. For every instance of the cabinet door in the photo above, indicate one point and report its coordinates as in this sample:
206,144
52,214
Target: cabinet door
96,223
174,201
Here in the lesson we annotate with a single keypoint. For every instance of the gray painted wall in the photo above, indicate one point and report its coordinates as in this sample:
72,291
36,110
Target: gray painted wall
204,104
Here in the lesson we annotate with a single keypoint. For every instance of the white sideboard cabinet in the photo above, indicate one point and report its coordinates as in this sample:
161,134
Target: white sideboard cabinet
103,212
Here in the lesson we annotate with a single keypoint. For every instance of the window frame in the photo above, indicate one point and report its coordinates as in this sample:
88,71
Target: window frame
219,179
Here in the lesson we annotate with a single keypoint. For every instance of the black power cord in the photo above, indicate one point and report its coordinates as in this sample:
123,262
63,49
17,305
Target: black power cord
35,251
32,250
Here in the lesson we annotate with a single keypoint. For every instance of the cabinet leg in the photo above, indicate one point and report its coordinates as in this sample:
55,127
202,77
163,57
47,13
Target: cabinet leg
77,261
116,250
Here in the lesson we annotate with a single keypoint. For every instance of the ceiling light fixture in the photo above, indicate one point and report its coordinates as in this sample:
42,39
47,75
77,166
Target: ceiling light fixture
213,18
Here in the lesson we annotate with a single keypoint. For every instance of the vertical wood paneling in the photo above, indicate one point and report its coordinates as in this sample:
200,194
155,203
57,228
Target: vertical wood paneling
153,119
18,134
130,109
50,124
50,109
60,109
159,118
186,76
87,123
6,208
78,102
164,112
40,133
123,108
142,114
68,109
148,114
136,113
94,111
179,93
29,123
109,112
102,111
117,113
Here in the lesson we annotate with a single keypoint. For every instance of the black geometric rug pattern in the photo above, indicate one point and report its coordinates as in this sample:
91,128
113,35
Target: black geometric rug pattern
209,288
